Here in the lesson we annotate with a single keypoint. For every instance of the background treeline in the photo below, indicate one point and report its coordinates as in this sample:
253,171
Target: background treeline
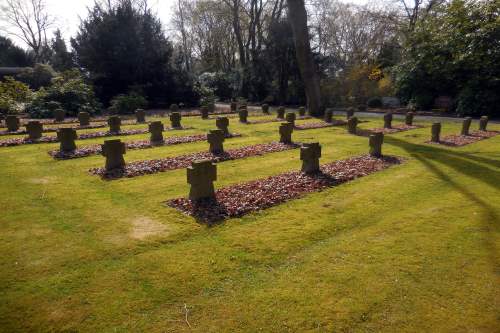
415,50
123,57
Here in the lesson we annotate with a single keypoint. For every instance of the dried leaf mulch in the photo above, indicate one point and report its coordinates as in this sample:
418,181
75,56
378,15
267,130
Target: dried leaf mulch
83,136
54,129
240,199
142,144
321,124
26,141
462,140
140,168
395,129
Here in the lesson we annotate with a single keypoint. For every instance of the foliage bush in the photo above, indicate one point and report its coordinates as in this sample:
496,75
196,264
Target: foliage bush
207,95
454,53
374,102
40,75
69,92
222,84
13,95
127,104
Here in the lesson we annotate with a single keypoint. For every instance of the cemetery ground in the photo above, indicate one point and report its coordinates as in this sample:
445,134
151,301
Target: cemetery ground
412,248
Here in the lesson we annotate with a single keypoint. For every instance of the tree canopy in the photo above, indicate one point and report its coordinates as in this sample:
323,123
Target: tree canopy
123,47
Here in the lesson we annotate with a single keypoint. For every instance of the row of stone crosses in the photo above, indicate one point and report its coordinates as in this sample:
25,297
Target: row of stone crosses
67,136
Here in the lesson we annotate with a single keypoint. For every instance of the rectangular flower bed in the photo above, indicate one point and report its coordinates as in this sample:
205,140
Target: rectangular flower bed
139,168
395,129
321,124
83,136
142,144
54,129
241,199
462,140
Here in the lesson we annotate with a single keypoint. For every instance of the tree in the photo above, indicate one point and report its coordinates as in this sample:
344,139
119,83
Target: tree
298,18
60,59
29,21
455,53
123,47
13,56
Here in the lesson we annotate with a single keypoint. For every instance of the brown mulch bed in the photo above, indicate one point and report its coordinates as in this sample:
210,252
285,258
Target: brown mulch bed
462,140
263,121
395,129
83,136
241,199
140,168
54,129
26,141
142,144
319,125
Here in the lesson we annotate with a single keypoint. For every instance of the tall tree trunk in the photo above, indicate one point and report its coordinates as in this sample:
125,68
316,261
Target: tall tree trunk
298,19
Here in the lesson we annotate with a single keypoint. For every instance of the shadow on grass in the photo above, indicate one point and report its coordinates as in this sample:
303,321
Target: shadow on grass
466,164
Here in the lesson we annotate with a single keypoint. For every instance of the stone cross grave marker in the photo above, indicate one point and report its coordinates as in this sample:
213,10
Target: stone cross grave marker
280,113
140,116
67,137
409,118
466,125
285,131
483,123
222,123
352,124
59,115
388,120
12,122
310,154
84,118
290,118
435,132
204,112
156,129
243,114
175,120
265,108
376,140
215,139
201,176
114,123
113,150
35,130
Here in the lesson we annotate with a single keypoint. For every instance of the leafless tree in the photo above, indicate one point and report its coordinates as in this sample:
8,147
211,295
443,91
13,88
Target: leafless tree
417,9
29,21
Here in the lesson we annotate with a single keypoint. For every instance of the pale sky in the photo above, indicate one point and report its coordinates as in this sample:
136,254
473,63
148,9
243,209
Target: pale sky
67,13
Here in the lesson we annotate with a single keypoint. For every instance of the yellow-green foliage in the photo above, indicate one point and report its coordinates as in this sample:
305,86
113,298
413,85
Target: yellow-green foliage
414,248
12,94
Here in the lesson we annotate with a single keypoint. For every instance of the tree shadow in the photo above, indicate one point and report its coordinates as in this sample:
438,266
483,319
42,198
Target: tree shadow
461,162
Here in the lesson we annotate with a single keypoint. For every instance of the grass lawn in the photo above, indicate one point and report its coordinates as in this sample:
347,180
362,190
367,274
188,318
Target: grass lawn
413,248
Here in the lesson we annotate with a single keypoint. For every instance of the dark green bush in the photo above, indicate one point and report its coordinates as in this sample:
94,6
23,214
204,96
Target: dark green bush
374,102
40,75
127,104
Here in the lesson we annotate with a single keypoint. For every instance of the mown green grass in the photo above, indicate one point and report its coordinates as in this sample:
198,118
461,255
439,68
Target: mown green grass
412,248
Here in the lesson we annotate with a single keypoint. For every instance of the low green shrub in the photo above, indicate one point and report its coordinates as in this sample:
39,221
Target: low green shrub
374,102
69,92
127,104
